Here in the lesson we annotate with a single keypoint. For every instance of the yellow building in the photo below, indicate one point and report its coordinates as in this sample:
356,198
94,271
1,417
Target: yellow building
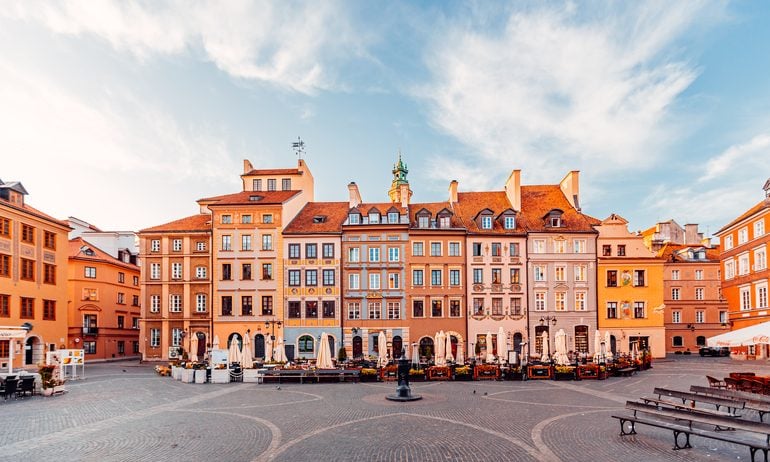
33,280
630,290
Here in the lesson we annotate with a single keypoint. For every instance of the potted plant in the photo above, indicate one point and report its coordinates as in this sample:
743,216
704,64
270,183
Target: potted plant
50,383
564,372
416,375
463,373
342,356
368,374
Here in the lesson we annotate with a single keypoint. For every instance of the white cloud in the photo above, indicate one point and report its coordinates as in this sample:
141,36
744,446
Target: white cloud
743,157
555,90
283,43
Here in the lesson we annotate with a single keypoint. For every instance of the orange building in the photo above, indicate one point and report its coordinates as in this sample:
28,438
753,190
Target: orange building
745,276
104,310
33,282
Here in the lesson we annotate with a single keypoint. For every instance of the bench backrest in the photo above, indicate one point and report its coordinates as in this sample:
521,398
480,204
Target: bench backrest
700,398
750,399
694,416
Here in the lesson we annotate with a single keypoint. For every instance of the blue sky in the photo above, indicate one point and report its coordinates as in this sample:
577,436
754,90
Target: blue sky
123,114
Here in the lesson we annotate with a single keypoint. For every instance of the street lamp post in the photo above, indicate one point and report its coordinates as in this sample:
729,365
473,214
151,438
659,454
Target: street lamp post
271,323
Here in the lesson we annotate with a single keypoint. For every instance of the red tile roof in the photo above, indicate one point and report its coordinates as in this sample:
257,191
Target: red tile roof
200,222
469,204
434,208
274,171
335,214
33,211
77,250
382,207
669,253
537,201
752,211
245,198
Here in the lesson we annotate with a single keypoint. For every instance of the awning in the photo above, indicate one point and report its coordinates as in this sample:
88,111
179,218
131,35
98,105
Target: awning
752,335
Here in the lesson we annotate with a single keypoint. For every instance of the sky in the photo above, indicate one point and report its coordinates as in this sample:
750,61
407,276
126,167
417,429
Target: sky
125,113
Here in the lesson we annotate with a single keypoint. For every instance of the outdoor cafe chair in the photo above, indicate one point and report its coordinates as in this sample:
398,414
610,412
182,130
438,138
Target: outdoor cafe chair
716,383
10,388
27,384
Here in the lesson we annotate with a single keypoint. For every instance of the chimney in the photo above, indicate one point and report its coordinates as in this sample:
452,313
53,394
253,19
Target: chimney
355,196
405,194
691,235
247,167
453,192
570,186
513,190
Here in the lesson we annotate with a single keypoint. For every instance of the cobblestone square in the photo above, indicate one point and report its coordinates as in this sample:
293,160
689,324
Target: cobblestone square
124,411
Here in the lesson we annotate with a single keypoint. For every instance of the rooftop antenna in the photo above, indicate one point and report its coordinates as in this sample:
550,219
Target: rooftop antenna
299,147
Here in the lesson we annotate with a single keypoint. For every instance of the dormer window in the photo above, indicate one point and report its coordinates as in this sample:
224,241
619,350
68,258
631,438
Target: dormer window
486,222
509,222
553,219
443,222
354,218
374,218
319,219
392,217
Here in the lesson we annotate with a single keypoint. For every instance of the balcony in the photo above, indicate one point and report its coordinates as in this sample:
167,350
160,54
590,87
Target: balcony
90,331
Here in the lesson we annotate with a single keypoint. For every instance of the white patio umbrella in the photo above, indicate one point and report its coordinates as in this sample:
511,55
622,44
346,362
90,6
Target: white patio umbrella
560,341
448,355
490,356
279,353
247,361
234,354
440,348
546,353
268,348
757,334
215,343
460,356
194,348
324,358
382,345
607,345
597,346
501,345
415,355
635,351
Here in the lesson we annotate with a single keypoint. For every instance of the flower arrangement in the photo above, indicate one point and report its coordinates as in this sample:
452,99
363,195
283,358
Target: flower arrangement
564,369
416,371
366,371
463,370
48,376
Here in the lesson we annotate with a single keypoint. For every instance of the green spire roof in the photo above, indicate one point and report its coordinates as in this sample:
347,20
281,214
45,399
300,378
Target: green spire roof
399,172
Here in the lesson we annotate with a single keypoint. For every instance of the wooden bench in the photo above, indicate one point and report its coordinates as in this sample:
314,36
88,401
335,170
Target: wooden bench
339,374
281,375
626,371
731,405
750,400
668,404
305,376
681,422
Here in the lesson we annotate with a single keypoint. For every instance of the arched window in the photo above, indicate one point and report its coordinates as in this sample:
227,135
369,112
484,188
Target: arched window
398,344
700,341
306,344
426,347
358,347
517,339
259,346
677,341
201,344
237,338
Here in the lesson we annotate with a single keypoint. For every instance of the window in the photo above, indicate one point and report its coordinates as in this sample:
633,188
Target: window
478,306
580,301
698,275
515,276
311,277
676,317
486,222
538,246
226,219
200,303
49,310
700,317
417,249
454,277
539,301
743,264
28,269
497,306
560,246
539,273
454,249
760,260
392,217
27,308
621,250
154,338
743,235
121,322
328,250
394,310
723,317
759,228
226,243
5,227
509,222
560,303
295,310
417,277
580,273
121,298
227,273
27,234
227,305
745,298
134,300
176,271
200,246
354,310
90,294
612,310
135,345
246,271
89,347
154,303
497,275
5,265
374,218
639,310
267,218
200,272
559,272
294,278
328,310
423,221
354,254
514,249
729,269
375,310
49,274
271,187
639,278
516,306
435,277
354,281
418,309
478,276
5,306
454,308
256,185
90,272
311,251
175,303
354,218
374,254
675,275
267,305
328,277
612,278
699,293
554,221
606,250
393,254
675,293
374,281
728,242
579,245
246,242
294,251
477,249
246,305
496,249
393,281
286,184
436,309
676,341
267,242
176,245
762,295
49,240
246,219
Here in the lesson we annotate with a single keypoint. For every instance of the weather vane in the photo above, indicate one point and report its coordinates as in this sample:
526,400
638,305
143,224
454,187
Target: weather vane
299,147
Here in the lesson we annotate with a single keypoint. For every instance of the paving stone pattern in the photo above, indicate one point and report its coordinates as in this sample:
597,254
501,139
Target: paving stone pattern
124,411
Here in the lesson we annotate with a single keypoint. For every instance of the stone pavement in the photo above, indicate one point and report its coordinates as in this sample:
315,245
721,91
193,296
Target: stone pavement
124,411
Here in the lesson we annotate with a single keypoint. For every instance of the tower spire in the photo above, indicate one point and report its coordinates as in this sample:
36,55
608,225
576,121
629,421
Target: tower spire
399,187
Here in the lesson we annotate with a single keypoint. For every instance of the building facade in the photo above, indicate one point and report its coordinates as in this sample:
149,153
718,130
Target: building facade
33,280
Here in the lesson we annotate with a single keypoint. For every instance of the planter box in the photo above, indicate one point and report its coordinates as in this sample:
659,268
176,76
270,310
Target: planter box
588,372
251,375
439,373
486,373
389,374
220,376
176,373
188,375
564,376
540,372
200,376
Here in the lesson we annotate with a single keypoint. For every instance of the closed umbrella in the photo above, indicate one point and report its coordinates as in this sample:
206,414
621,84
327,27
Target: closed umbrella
607,345
234,354
440,348
500,344
268,348
324,358
194,348
597,346
635,351
449,356
247,361
546,354
415,355
279,353
215,343
382,345
460,356
490,355
560,355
